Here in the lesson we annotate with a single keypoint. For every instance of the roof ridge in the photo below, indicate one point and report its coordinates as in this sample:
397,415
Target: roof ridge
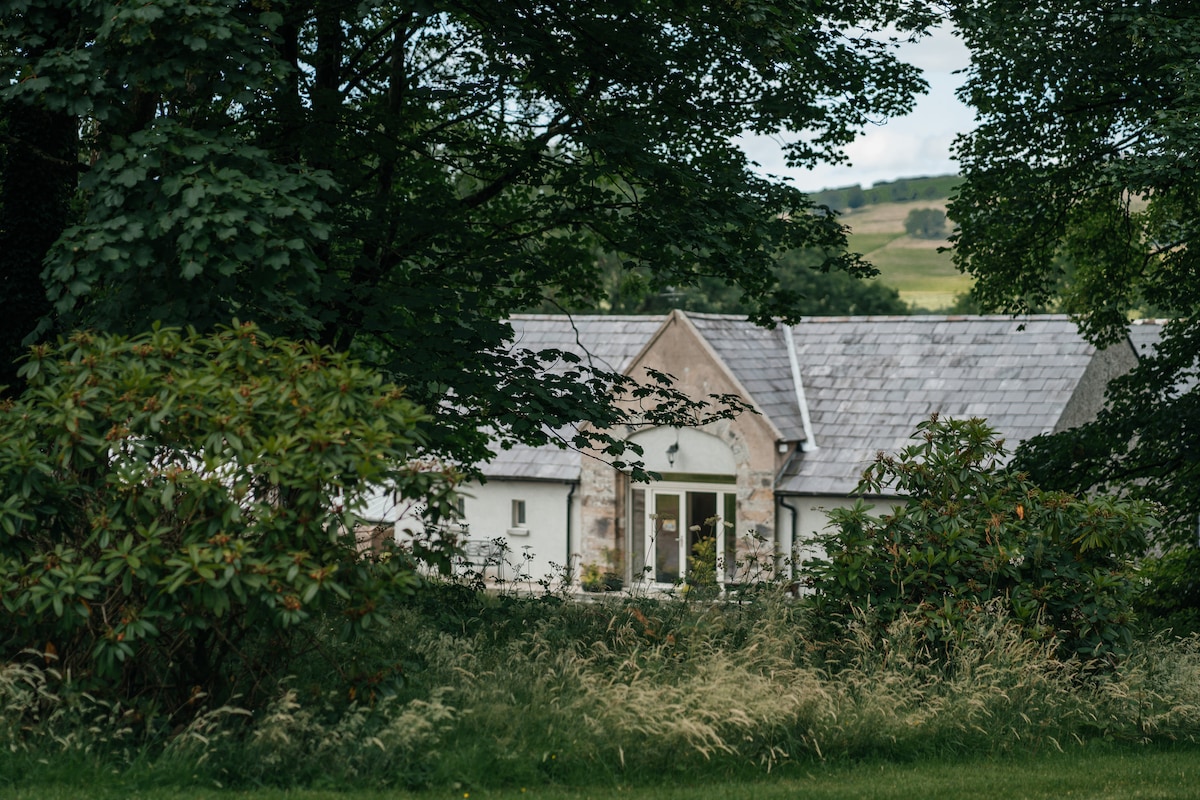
808,319
929,318
614,317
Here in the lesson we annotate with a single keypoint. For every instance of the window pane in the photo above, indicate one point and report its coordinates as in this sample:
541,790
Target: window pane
637,535
702,512
729,524
666,538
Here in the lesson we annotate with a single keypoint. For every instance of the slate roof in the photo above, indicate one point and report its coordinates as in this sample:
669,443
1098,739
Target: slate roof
608,342
868,380
522,462
758,358
1144,335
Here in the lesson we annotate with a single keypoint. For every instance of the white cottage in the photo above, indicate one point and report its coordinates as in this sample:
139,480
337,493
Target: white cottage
830,393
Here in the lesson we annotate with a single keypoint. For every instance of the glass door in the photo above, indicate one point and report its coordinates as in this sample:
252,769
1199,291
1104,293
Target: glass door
670,529
666,543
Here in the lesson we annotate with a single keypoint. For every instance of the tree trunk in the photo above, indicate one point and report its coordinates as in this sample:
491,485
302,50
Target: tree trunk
38,173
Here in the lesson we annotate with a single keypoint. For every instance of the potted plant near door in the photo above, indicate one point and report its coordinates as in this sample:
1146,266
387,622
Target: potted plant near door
614,573
609,578
591,579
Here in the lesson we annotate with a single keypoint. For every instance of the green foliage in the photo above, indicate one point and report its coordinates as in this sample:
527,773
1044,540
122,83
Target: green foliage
925,223
855,197
397,179
219,204
816,291
970,531
1101,182
702,569
1169,595
173,505
1144,443
827,293
37,179
591,578
1080,194
500,692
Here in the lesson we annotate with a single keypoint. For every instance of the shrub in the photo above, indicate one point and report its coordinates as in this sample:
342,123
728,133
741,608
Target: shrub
520,691
1169,590
925,223
969,530
172,505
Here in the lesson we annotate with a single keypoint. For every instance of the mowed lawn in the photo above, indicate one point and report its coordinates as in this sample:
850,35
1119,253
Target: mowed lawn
924,277
1097,774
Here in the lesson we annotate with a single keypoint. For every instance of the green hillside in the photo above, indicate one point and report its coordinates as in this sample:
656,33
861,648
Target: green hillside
925,278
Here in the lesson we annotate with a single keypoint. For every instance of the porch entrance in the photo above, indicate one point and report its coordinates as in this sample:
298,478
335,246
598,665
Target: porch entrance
683,533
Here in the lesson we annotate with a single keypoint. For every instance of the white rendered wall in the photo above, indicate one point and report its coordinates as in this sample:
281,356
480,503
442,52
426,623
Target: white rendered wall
537,549
813,518
695,451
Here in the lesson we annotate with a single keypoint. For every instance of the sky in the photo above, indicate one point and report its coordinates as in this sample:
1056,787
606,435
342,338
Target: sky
905,147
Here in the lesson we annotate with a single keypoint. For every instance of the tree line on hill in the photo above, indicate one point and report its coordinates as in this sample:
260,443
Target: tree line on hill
898,191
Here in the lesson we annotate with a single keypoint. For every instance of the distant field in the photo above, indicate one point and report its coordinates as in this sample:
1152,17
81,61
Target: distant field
924,277
870,242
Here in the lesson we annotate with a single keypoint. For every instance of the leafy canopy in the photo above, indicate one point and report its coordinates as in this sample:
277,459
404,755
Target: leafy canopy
1081,193
399,177
925,223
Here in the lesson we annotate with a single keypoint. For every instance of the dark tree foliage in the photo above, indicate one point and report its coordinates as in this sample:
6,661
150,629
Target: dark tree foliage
397,178
171,504
972,531
1081,193
39,155
855,197
925,223
901,191
834,293
817,292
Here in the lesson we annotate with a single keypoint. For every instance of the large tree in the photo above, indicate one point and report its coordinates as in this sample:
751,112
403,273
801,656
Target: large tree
397,177
1082,193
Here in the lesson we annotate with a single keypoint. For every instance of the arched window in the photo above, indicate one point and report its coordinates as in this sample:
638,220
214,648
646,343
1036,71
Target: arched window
685,525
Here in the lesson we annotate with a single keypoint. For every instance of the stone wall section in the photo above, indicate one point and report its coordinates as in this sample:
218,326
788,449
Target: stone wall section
681,352
1088,398
598,493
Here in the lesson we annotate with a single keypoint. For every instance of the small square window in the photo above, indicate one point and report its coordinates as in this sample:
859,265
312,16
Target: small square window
460,507
518,513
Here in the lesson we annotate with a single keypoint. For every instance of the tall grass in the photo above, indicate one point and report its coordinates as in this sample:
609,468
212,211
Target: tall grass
474,690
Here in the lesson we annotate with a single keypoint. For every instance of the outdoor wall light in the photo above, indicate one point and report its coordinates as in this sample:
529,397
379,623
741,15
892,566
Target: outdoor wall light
671,453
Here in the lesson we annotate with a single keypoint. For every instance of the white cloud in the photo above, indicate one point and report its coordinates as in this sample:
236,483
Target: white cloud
910,146
941,51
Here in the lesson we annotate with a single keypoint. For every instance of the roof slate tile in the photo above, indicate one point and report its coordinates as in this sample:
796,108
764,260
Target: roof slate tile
868,381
